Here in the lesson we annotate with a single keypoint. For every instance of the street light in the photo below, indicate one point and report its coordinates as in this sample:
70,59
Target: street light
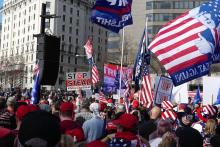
77,55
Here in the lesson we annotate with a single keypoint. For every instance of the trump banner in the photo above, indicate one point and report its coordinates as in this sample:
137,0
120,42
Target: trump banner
112,14
112,77
78,80
188,45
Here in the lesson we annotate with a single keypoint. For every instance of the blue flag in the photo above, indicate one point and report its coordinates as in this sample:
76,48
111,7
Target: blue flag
142,57
197,98
35,89
112,14
217,102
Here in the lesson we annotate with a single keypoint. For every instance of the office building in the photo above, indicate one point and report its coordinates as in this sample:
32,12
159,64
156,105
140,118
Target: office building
21,20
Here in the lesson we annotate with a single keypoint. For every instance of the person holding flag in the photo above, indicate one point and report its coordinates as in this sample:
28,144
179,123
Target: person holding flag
89,52
35,93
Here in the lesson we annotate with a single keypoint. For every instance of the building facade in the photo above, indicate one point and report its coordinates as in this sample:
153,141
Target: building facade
21,20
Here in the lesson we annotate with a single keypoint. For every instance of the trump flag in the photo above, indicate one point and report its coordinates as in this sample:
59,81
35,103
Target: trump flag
188,45
112,14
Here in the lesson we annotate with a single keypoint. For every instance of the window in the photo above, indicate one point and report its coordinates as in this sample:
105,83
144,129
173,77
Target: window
48,4
70,48
75,60
77,32
70,39
77,41
64,18
31,68
61,69
71,1
31,80
62,47
78,13
61,58
70,29
64,8
68,59
77,22
63,28
71,10
71,20
63,37
60,81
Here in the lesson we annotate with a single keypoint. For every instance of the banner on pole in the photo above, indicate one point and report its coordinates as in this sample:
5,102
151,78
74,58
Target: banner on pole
163,90
78,80
112,77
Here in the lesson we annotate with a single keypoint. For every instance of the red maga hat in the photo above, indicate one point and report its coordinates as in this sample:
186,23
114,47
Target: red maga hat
126,120
66,106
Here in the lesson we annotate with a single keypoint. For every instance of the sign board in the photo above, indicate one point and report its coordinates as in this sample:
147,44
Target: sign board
180,94
78,80
211,87
112,76
164,90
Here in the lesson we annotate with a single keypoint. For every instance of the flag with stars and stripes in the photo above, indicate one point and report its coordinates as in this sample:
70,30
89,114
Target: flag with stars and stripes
188,45
127,94
146,96
95,74
89,51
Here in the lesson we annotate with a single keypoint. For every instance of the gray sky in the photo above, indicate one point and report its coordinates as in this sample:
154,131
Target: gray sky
1,3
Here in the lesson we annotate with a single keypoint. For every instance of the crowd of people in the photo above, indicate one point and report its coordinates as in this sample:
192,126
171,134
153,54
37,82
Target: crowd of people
67,120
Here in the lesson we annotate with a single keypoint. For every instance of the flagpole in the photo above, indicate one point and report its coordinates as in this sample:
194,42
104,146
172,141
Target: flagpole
122,55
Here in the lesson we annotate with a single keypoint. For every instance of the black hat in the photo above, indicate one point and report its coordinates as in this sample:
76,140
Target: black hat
189,137
39,128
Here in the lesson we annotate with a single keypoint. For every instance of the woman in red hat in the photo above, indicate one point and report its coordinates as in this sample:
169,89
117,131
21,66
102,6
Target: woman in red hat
126,132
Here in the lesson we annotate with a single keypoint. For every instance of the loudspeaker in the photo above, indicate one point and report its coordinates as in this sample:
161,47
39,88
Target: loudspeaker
48,55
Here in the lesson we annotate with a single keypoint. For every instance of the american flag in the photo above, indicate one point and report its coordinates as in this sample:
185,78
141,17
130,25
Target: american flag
103,99
95,74
167,105
187,43
126,94
146,96
89,48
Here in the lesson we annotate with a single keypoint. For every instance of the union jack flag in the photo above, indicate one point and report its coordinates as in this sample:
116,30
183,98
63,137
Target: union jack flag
188,45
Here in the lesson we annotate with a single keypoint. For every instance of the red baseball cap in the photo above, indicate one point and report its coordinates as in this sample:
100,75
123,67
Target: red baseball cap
126,120
135,104
33,107
66,106
78,132
4,132
22,111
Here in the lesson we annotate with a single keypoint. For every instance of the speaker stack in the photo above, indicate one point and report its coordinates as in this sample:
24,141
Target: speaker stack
48,55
